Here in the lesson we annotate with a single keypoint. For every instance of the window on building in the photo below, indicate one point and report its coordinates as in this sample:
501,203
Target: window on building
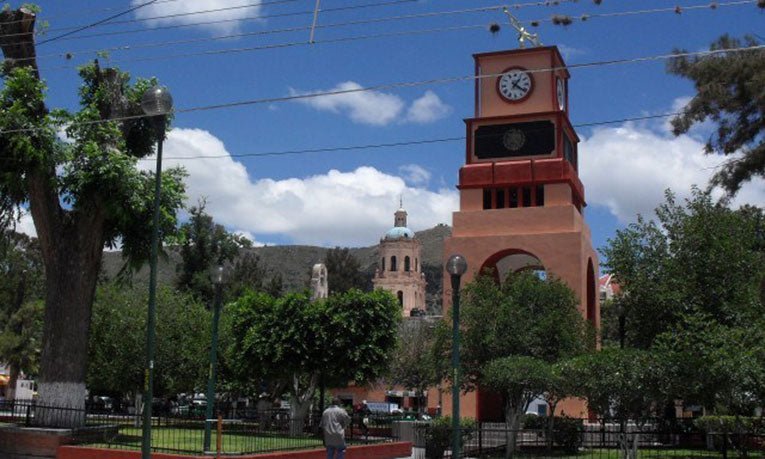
416,265
487,198
382,264
500,198
400,296
393,263
526,196
407,264
513,198
540,196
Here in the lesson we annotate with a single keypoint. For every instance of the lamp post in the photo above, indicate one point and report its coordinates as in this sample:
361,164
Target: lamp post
456,266
156,103
217,278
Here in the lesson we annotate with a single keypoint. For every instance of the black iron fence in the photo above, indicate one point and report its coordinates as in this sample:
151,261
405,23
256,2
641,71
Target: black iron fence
235,431
491,440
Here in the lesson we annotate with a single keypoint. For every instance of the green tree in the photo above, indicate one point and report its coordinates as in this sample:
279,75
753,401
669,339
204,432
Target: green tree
204,245
249,273
513,332
21,292
717,366
343,271
730,91
21,343
699,257
414,365
291,340
624,385
117,342
82,195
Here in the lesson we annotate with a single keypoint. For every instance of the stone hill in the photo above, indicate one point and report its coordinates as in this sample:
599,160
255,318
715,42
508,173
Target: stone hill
293,262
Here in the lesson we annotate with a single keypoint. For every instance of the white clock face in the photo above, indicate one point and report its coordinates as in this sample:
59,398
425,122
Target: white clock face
561,94
515,84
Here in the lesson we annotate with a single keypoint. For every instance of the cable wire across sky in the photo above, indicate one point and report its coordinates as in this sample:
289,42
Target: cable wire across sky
409,84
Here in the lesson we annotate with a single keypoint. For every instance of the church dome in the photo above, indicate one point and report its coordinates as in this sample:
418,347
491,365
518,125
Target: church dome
399,232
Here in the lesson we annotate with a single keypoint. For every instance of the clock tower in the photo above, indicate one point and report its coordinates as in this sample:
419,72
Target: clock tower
521,200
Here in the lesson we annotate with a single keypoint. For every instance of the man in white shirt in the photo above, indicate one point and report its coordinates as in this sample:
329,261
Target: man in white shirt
334,420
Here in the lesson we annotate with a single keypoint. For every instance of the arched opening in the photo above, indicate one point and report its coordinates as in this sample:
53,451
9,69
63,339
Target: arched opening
416,265
382,264
591,306
509,261
407,264
400,296
393,263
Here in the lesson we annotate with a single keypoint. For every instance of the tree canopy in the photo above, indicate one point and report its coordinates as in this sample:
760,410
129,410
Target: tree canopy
692,303
730,91
699,256
343,271
83,193
117,342
346,337
512,335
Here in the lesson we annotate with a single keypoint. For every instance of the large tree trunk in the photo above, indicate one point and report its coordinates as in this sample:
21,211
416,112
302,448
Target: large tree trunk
513,414
300,402
71,243
70,286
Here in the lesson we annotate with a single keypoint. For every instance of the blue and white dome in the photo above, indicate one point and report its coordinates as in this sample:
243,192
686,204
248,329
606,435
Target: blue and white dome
399,232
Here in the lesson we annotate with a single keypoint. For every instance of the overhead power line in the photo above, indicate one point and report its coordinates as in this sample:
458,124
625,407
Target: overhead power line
285,45
338,40
273,31
223,21
674,9
247,18
404,143
194,13
97,23
250,18
408,143
411,84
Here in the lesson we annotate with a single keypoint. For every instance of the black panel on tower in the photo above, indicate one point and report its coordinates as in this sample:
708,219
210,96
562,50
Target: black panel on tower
515,139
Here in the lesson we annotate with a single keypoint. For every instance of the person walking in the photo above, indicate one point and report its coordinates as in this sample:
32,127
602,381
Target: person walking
334,420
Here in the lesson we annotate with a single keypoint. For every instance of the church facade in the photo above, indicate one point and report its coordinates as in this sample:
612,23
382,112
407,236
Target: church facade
399,270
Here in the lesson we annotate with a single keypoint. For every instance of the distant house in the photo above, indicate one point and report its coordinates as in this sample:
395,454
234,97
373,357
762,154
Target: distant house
25,388
609,287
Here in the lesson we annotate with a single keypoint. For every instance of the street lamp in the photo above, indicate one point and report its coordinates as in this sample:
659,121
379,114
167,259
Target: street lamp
456,266
217,279
156,104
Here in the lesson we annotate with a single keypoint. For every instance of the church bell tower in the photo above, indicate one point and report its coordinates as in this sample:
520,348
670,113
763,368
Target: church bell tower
521,200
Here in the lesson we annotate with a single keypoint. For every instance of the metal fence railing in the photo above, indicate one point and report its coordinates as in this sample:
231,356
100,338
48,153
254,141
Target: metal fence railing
490,440
232,432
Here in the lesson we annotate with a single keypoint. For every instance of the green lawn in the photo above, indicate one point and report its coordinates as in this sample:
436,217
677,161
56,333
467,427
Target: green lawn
192,440
614,454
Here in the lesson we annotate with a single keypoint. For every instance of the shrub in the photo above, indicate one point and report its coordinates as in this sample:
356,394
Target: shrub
534,422
438,435
568,433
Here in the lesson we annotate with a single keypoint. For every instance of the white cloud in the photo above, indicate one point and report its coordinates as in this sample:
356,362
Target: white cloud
366,107
337,208
26,225
427,109
569,51
414,174
376,108
226,10
628,168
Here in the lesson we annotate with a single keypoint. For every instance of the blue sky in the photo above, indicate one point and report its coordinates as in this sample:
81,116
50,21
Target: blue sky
348,197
